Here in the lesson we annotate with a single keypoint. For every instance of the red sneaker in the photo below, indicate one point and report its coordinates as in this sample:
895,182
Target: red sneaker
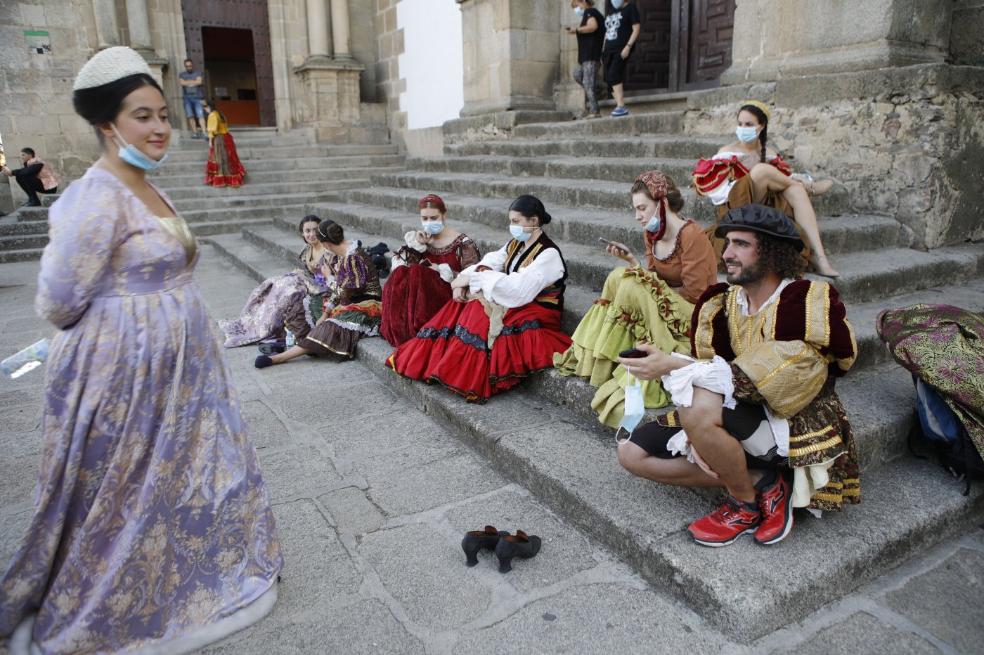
725,524
777,510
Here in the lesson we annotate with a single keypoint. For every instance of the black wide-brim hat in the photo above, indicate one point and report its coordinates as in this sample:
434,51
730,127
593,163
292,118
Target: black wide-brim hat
759,218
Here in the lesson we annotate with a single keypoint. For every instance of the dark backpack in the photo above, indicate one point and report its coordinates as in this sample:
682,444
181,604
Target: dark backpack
939,430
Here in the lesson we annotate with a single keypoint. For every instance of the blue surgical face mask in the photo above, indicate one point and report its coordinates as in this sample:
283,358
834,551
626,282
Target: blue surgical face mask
134,157
654,223
519,233
746,134
433,227
635,409
579,11
618,3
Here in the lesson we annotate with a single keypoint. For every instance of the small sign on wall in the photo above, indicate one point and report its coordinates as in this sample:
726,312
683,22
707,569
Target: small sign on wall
38,42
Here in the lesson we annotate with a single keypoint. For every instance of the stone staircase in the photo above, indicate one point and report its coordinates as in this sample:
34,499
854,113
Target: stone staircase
544,435
285,173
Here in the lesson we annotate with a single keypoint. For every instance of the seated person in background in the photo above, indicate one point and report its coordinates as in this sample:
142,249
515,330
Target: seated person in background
503,322
34,177
352,306
652,304
745,172
420,281
758,414
284,299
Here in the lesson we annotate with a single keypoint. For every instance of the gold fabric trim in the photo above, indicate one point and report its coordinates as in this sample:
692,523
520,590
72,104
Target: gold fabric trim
789,362
810,435
817,447
830,498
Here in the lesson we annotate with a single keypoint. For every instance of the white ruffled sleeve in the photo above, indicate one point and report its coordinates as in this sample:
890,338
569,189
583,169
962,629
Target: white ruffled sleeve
519,288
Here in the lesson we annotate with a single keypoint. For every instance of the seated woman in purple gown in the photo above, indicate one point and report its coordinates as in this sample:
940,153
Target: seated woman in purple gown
291,300
152,530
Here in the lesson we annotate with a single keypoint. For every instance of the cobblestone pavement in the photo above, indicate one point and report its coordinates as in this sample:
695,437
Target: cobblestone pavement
372,497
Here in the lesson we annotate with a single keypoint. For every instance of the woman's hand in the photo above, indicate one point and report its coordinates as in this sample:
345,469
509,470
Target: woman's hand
622,251
460,282
654,365
460,294
423,237
701,463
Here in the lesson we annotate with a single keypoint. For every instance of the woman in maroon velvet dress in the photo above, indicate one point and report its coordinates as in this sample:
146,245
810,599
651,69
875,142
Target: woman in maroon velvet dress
420,283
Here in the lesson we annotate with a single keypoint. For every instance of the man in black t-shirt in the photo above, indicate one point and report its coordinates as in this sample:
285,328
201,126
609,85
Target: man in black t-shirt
590,37
622,27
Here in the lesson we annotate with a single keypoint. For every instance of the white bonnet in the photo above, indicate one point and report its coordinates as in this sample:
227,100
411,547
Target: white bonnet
110,65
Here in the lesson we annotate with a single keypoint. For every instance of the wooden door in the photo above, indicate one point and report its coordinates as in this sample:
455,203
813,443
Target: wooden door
250,15
684,44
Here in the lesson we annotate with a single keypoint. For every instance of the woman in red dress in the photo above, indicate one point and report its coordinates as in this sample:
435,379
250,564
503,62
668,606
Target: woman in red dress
503,321
223,167
419,284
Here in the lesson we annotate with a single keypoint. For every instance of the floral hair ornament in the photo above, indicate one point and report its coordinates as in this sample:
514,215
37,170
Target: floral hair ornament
658,187
761,106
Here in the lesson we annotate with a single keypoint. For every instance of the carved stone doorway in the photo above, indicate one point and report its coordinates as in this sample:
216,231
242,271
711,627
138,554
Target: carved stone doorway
233,37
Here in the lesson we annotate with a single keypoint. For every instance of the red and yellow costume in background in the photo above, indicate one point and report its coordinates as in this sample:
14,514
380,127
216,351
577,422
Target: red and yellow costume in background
787,357
510,329
223,167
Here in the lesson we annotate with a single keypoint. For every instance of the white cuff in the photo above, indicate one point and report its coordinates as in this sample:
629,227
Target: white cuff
445,272
411,240
714,375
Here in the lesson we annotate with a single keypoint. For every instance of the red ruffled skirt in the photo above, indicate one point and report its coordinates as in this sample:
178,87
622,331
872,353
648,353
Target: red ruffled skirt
412,296
451,349
223,167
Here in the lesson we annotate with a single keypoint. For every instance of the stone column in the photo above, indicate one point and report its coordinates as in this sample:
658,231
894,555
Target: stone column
139,26
107,29
340,29
319,48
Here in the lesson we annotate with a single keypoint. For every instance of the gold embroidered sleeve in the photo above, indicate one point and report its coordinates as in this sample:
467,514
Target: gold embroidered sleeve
788,374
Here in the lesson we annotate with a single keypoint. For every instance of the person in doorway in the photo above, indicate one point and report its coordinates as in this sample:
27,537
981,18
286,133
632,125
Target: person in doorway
622,28
223,167
192,84
152,529
590,38
758,413
34,177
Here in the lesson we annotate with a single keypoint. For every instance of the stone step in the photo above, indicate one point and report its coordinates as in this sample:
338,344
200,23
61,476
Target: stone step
664,122
200,152
865,275
584,224
744,589
249,139
294,166
670,146
247,198
24,227
25,255
496,124
23,241
572,192
262,176
284,190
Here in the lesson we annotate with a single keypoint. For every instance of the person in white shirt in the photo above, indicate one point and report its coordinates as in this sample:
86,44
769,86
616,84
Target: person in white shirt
503,321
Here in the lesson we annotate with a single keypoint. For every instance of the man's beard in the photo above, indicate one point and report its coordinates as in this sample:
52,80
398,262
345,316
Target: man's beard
747,274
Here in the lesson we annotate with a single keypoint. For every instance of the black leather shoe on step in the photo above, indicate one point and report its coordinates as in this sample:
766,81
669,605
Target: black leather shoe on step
517,545
475,540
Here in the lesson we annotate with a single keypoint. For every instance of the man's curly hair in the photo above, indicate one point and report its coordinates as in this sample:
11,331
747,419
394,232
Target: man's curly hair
781,256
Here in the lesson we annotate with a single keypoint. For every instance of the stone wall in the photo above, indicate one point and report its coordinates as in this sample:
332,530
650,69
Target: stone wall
906,142
389,84
36,90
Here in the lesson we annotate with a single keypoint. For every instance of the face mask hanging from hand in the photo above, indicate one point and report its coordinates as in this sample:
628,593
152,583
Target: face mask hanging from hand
635,409
134,157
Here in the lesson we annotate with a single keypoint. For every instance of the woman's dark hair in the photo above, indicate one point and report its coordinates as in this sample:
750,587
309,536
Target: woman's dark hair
674,199
781,256
310,218
330,232
102,104
211,105
763,121
530,206
28,151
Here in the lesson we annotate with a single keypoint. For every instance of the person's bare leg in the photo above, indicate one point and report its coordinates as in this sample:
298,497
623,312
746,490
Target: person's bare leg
618,92
676,471
291,353
767,177
703,423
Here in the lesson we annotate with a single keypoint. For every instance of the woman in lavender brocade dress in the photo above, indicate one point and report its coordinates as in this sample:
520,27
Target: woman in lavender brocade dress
152,530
